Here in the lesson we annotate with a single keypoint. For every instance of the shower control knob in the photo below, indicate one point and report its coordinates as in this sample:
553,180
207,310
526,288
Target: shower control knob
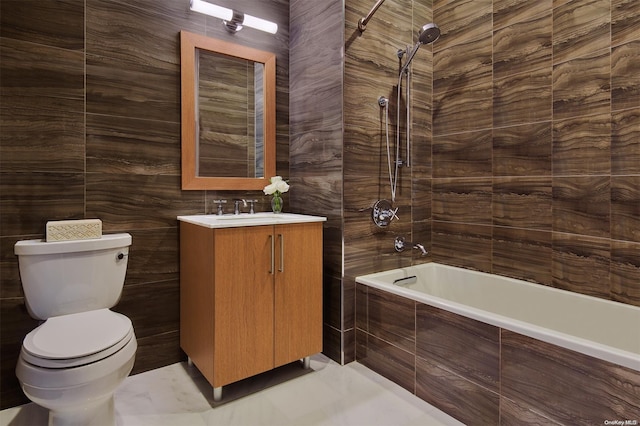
383,213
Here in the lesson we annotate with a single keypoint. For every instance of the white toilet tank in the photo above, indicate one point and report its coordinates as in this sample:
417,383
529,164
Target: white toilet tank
66,277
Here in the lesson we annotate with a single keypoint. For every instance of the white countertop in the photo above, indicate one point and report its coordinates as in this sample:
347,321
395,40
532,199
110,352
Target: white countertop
247,219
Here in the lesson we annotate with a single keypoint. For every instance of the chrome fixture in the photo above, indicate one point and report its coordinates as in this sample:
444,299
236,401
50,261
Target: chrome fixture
400,244
220,210
232,19
383,213
235,23
251,203
237,202
393,176
427,34
362,22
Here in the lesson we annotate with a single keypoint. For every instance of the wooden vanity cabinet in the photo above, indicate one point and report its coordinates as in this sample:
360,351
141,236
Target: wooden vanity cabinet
250,297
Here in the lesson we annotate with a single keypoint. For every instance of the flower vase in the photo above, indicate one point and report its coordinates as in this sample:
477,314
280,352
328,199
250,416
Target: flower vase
276,203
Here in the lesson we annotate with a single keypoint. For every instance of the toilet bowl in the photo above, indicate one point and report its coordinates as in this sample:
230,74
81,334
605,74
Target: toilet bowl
73,362
66,369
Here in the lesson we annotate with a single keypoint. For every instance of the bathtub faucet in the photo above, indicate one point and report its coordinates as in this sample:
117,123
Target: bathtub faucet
401,244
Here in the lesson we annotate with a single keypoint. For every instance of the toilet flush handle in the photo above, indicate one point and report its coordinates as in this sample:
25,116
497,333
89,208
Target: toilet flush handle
121,256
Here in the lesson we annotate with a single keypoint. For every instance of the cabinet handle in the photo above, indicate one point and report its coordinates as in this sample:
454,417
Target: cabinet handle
281,269
273,257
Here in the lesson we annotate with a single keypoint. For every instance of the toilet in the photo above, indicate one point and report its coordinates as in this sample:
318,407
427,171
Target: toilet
73,362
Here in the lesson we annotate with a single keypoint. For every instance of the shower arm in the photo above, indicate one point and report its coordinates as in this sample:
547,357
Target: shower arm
362,22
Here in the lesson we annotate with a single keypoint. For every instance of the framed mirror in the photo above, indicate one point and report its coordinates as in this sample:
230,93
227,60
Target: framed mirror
228,114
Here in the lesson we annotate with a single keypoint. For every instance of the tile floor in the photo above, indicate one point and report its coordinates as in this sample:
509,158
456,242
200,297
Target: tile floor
330,394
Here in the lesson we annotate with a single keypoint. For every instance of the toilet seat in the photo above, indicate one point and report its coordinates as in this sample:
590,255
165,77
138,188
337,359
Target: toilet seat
77,339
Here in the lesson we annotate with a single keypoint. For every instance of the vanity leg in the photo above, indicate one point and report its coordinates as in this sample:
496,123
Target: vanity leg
217,394
306,362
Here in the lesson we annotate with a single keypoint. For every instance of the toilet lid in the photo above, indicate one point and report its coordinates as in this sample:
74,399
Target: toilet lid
78,335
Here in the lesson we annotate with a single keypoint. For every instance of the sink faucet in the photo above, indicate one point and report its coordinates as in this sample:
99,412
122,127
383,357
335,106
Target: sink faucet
237,205
401,243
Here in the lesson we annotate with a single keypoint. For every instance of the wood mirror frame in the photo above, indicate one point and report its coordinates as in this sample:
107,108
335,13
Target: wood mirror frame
189,42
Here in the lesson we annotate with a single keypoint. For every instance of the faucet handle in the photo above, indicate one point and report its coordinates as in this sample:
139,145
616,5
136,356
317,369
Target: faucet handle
383,213
220,208
251,202
391,214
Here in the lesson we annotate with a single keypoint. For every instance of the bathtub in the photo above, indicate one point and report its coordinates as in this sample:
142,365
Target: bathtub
595,327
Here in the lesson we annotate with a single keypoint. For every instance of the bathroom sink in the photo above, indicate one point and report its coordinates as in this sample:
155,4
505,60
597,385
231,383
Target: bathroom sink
248,219
246,216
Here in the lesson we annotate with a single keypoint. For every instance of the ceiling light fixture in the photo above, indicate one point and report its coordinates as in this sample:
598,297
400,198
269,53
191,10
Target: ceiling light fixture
232,19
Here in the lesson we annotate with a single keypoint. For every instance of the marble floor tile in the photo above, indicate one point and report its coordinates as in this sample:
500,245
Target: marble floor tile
330,394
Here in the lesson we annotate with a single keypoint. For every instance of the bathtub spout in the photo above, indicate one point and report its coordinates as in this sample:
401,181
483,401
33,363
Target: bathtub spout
423,251
401,244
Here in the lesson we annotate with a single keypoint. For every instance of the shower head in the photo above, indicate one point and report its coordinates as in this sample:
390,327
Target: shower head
428,34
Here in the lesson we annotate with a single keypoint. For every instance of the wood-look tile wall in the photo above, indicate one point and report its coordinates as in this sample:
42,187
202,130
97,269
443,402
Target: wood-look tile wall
486,375
316,158
525,141
531,164
536,154
90,118
371,71
337,149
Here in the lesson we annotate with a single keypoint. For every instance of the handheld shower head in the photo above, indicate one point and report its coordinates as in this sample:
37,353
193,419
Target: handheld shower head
427,35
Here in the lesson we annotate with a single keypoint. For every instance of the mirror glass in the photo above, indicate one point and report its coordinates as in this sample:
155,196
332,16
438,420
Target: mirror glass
228,114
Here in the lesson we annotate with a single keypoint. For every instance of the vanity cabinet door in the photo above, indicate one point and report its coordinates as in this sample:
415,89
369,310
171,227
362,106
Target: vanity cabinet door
298,291
243,303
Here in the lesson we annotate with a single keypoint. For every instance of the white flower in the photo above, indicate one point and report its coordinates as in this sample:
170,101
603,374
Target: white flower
277,186
281,186
269,189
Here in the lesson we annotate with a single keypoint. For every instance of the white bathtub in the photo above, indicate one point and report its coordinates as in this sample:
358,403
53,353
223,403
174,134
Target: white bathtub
596,327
